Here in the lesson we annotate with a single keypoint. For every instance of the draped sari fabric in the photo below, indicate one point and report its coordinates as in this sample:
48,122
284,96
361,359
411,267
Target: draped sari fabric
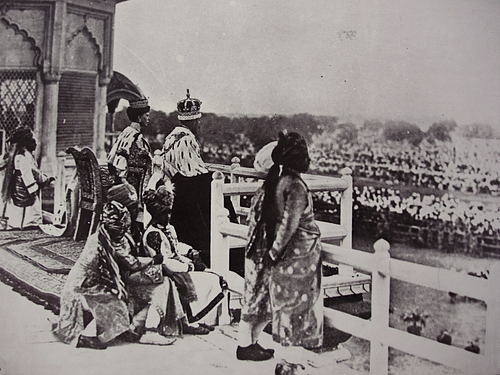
290,291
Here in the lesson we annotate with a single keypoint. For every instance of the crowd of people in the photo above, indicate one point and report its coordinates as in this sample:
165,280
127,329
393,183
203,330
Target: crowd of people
461,165
466,225
145,276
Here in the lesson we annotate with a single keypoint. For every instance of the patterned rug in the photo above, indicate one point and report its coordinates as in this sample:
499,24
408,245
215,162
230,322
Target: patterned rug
36,263
45,253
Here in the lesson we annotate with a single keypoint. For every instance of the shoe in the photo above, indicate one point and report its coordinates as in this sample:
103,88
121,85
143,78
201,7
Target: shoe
341,353
191,330
270,351
130,336
206,326
252,352
90,343
154,338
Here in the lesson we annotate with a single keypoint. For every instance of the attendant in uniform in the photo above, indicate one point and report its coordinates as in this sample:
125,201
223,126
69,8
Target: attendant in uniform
182,163
23,182
130,157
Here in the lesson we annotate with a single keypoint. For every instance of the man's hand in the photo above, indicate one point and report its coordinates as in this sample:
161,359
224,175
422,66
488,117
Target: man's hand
268,261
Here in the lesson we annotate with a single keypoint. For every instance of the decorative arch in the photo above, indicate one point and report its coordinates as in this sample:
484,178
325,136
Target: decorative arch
79,44
37,52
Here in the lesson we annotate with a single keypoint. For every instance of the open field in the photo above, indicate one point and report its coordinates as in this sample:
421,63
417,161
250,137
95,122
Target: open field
464,319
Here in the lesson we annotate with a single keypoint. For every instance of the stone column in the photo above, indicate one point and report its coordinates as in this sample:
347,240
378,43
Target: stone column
100,110
48,157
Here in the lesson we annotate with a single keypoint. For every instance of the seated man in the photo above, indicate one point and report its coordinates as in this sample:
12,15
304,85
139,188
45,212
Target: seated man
200,289
95,299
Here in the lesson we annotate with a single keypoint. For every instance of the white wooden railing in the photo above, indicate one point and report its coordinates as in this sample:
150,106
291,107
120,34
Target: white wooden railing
381,267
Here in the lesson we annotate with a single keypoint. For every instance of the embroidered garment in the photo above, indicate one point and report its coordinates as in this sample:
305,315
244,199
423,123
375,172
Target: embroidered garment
289,292
27,176
129,141
161,296
181,154
91,285
203,290
131,158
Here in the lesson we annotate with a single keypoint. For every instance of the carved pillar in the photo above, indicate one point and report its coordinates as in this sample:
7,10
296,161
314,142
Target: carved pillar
48,157
100,110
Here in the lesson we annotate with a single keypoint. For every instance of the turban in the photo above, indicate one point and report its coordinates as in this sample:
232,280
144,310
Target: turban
123,193
159,200
263,160
21,135
116,218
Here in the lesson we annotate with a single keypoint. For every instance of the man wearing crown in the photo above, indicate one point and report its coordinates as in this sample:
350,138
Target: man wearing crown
130,157
182,163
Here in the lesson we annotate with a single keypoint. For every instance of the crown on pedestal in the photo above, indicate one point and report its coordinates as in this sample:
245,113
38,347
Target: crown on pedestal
189,108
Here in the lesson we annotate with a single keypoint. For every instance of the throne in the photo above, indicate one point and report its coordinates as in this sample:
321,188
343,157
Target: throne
89,194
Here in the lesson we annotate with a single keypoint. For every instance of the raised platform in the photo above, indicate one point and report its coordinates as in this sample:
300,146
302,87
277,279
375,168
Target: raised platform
35,265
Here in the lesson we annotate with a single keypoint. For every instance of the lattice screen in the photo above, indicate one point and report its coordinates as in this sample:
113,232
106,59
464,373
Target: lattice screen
17,99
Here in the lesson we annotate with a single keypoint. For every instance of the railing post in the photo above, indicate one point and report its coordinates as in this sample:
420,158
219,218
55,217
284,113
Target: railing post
219,257
379,352
219,245
235,163
492,349
346,217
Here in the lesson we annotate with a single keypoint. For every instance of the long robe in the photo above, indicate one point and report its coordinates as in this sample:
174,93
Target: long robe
90,286
200,291
24,165
289,292
137,166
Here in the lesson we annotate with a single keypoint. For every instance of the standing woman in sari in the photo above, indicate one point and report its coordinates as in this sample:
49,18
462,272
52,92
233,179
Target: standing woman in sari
282,258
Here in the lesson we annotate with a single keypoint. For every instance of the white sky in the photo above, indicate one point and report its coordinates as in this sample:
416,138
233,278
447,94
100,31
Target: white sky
415,60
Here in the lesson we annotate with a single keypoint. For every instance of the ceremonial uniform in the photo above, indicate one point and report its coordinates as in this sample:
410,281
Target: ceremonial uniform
130,157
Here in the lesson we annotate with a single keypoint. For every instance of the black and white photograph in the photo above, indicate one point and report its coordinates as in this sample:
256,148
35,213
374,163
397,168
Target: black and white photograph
250,187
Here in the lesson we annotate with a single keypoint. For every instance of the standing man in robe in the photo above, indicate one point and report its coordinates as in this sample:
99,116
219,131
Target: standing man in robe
182,163
130,157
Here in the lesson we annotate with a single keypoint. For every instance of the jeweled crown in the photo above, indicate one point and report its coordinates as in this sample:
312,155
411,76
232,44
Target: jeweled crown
189,108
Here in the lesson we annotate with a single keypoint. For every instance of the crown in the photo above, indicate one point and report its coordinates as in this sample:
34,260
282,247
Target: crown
141,103
188,109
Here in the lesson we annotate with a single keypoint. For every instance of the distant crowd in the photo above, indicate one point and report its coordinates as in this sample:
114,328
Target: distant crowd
466,225
464,165
468,166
